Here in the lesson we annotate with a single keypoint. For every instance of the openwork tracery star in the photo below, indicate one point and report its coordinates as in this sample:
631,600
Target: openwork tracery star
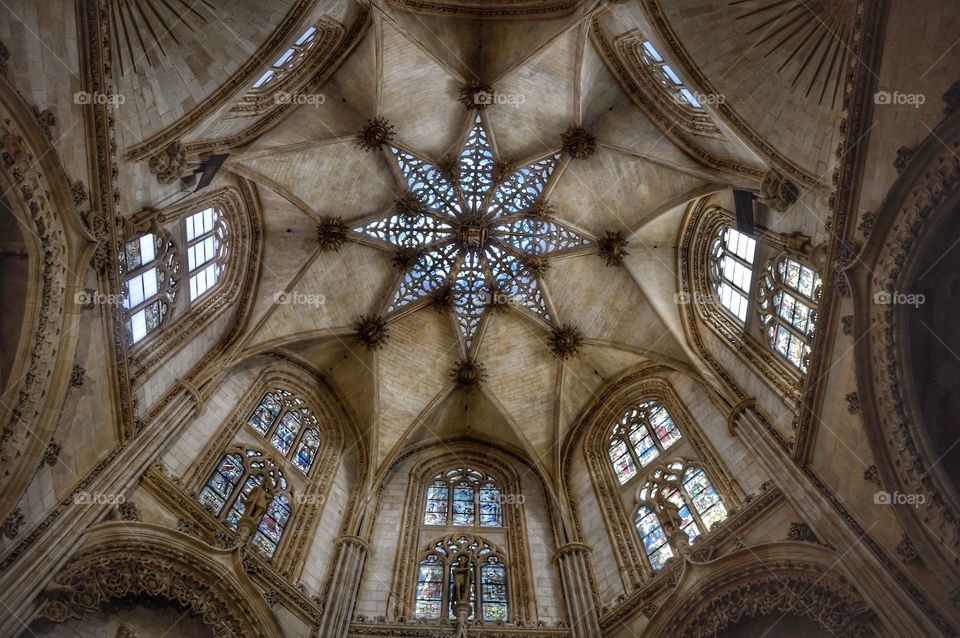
474,234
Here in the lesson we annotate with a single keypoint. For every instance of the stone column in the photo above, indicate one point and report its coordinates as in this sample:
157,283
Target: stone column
572,560
351,554
898,611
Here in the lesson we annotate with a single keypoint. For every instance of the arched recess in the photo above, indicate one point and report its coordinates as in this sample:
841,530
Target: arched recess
505,469
695,248
125,559
309,501
905,285
38,200
240,207
787,578
591,438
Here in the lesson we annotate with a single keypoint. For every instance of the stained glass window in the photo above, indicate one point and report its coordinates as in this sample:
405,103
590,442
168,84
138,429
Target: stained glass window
455,496
732,258
206,233
248,470
654,540
493,590
222,483
473,231
149,266
289,59
687,487
429,589
489,593
284,419
789,293
642,433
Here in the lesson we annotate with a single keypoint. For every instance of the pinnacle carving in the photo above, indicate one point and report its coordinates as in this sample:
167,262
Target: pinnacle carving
565,341
372,331
578,143
476,95
332,233
613,247
375,134
409,206
169,163
778,192
468,374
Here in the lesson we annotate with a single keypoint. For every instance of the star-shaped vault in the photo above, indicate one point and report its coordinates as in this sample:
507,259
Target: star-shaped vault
479,234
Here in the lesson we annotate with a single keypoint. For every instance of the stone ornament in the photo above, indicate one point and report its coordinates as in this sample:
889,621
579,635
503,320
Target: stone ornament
613,247
578,143
468,374
778,192
331,233
169,164
375,134
565,341
372,331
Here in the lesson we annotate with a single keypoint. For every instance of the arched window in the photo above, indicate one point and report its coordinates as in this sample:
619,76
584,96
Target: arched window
788,293
654,539
667,77
456,496
732,255
150,271
285,420
687,487
206,234
642,433
434,586
222,498
290,59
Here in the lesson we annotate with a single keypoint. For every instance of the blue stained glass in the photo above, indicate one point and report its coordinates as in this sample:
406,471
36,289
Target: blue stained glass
263,416
472,231
307,450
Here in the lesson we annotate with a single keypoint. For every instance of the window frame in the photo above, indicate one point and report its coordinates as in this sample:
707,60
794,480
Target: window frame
772,290
450,479
165,261
220,233
673,475
621,433
255,464
289,403
719,250
481,554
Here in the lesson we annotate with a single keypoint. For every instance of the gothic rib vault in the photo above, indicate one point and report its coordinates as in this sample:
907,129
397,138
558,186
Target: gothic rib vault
543,218
423,318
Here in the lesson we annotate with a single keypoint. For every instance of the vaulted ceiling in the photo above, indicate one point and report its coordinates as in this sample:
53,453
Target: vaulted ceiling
568,67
